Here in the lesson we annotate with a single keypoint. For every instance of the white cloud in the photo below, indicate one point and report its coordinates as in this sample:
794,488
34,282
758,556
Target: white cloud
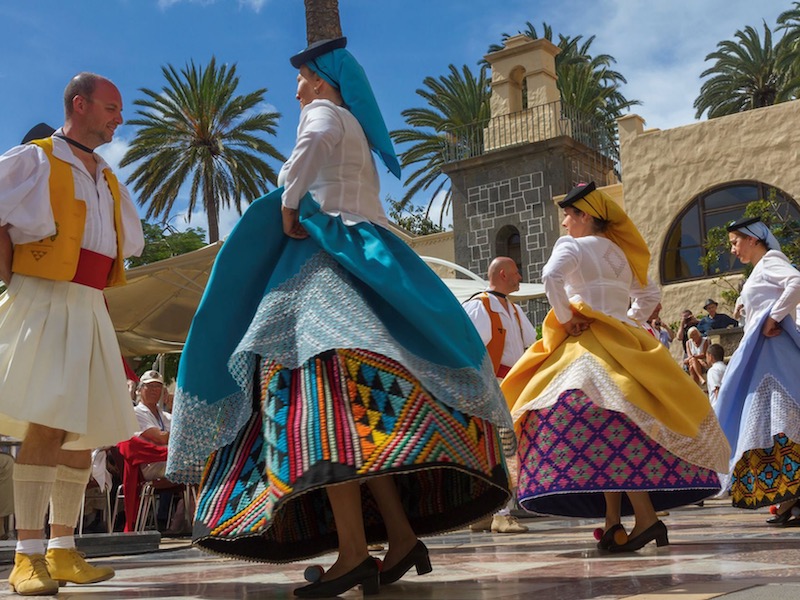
660,47
254,5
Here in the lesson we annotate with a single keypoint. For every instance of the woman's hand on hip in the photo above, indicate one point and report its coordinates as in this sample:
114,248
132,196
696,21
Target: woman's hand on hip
577,324
771,328
291,224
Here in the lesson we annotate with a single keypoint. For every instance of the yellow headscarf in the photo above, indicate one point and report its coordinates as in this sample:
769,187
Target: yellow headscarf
621,230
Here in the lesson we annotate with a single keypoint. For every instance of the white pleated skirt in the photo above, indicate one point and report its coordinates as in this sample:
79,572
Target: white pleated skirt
60,364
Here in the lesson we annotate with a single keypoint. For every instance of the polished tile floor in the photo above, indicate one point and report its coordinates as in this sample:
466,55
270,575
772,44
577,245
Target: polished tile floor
715,551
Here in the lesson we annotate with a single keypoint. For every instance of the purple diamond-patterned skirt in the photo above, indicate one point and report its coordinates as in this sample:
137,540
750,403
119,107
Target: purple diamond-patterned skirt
572,452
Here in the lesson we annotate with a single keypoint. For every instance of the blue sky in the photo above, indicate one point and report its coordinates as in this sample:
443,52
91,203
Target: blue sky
659,46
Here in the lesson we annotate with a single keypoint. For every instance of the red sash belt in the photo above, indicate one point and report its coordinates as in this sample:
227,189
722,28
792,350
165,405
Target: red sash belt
93,269
502,371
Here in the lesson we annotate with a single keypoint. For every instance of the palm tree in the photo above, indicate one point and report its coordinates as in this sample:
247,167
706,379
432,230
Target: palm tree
789,22
197,129
454,100
322,20
747,74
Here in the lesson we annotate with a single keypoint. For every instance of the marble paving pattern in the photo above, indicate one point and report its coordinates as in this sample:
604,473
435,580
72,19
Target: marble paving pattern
715,552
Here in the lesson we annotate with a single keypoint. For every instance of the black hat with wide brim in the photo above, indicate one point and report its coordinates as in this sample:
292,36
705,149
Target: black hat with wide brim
577,193
316,49
736,225
38,132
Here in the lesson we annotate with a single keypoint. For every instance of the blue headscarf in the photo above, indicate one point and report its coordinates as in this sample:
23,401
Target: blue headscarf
761,232
340,69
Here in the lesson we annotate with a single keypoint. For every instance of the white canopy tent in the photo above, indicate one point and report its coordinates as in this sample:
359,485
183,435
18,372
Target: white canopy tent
152,314
464,288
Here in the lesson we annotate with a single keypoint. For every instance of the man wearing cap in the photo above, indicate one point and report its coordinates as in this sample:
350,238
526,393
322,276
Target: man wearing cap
506,332
62,388
155,424
714,320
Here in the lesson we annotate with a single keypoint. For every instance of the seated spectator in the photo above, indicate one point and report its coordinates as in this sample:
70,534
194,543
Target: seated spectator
155,423
6,491
687,320
714,320
665,333
659,329
715,356
695,361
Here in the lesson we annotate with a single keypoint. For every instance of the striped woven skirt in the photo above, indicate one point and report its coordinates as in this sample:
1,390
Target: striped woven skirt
572,452
344,415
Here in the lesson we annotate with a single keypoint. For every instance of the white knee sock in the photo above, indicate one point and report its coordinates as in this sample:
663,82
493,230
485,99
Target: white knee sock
33,485
65,541
67,495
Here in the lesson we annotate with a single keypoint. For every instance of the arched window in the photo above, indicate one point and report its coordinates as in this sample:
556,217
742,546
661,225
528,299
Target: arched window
508,243
680,257
519,90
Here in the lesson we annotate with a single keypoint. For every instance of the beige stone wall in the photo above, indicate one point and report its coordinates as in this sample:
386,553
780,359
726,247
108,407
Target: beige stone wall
663,171
437,245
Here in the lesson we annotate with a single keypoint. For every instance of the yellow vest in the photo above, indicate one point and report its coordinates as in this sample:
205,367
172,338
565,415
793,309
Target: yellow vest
56,257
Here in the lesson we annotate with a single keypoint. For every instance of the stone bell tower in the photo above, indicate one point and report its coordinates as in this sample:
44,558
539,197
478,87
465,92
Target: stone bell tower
505,171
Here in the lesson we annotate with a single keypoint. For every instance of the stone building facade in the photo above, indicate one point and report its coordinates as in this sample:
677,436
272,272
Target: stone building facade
677,183
503,190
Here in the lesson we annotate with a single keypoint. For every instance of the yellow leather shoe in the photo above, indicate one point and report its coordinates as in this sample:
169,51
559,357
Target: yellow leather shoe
482,525
507,524
29,577
67,565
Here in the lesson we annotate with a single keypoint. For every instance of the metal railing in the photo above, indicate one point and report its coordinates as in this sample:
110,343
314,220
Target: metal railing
536,124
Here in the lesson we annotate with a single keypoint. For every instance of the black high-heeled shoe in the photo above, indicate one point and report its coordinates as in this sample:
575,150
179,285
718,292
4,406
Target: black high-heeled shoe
608,537
657,531
780,519
366,574
416,557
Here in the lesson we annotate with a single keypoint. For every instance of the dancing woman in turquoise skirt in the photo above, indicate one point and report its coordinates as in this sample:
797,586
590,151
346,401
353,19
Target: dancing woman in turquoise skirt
332,386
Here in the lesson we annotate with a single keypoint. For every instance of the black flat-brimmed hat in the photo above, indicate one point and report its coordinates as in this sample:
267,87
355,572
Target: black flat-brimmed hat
709,302
38,132
316,49
577,193
736,225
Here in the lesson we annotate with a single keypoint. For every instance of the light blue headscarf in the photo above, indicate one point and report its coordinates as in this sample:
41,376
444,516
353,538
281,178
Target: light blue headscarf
761,232
340,69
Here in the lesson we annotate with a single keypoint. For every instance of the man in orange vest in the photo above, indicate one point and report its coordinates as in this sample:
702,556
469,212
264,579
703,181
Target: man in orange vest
507,332
66,225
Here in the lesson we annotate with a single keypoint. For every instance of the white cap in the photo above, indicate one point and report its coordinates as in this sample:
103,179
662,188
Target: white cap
152,376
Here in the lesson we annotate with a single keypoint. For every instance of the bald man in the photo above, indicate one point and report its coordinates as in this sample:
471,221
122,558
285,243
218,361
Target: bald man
507,332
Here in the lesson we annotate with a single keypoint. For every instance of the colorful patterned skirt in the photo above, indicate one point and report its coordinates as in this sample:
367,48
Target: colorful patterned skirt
344,415
337,358
759,410
573,451
766,476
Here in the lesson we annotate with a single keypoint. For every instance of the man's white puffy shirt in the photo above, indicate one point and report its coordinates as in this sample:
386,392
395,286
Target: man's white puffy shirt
25,201
519,335
147,420
332,160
